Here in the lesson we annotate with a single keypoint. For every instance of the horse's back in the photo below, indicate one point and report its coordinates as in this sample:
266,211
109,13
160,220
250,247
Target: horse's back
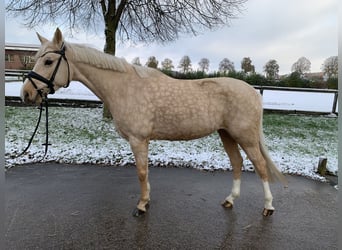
187,109
238,97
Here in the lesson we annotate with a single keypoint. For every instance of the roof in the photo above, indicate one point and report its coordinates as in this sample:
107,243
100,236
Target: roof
18,46
315,74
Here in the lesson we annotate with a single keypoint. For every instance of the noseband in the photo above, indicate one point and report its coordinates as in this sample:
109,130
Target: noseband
49,82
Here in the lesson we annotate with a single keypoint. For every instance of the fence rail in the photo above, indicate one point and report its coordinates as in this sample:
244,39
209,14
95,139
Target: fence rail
262,88
56,102
18,73
311,90
21,73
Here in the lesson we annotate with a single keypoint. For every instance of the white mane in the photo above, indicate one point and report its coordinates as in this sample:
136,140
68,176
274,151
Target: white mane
145,72
96,58
91,56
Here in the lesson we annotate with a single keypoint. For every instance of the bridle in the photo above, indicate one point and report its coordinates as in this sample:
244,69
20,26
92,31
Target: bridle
50,82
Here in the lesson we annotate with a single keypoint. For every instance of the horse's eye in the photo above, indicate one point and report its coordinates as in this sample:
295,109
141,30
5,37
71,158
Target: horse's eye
48,62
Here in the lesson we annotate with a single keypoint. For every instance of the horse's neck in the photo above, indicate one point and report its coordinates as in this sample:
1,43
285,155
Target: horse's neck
100,82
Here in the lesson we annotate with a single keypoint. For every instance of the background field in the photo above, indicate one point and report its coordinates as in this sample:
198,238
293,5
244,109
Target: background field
80,135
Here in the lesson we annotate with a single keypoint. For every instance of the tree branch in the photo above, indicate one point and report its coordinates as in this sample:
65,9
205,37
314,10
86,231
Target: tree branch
103,7
137,20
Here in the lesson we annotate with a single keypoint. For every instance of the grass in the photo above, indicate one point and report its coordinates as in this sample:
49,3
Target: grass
80,135
305,134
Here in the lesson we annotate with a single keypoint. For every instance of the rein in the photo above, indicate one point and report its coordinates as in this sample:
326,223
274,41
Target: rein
50,83
46,144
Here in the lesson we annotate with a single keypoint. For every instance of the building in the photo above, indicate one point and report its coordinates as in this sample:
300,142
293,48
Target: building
315,76
20,56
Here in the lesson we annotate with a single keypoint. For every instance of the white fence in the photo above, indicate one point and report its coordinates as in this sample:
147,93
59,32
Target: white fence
274,98
299,99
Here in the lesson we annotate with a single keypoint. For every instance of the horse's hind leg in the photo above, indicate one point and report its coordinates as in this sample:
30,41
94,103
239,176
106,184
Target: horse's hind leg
140,151
232,149
254,154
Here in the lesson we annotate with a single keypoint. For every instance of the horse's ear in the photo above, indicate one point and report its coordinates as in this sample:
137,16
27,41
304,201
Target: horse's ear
58,37
42,39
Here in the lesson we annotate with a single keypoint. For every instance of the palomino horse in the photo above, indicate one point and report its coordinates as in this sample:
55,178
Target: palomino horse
148,105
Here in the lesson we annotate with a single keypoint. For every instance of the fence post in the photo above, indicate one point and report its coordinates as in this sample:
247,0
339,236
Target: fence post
334,103
322,166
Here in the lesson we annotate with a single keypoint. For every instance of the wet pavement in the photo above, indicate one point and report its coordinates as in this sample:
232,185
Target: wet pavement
56,206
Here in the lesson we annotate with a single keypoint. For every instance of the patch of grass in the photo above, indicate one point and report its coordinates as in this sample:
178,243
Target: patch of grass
300,126
293,140
304,134
88,123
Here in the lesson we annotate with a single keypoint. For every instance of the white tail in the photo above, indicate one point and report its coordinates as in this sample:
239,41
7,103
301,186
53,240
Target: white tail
272,170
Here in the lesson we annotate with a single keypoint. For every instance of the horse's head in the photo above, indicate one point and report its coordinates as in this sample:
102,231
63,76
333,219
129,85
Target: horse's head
50,72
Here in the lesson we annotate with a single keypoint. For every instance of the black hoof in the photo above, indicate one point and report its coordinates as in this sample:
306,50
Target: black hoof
138,213
267,212
227,204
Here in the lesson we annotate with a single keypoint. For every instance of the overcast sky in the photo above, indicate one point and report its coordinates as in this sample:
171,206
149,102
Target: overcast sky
284,30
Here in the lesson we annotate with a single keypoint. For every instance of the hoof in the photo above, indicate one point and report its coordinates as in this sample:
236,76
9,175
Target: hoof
227,204
267,212
138,213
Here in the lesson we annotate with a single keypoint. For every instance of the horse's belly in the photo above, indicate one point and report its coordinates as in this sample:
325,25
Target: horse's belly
176,135
189,127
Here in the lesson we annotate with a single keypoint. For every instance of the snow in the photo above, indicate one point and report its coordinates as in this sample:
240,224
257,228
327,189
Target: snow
287,100
76,91
206,154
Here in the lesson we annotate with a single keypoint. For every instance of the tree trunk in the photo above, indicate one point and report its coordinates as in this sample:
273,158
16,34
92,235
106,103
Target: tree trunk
106,113
111,14
110,49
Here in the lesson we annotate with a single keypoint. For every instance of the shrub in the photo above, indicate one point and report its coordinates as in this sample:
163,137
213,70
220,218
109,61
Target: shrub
332,83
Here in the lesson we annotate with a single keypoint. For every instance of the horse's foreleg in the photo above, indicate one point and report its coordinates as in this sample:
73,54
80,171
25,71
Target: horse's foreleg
235,193
140,151
232,149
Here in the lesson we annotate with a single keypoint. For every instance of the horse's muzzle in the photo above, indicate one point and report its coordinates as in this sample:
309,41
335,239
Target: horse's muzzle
29,95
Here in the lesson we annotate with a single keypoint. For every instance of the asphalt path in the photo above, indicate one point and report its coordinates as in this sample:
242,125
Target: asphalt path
57,206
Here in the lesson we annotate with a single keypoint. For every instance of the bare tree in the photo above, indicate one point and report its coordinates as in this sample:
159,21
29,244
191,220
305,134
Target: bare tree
152,62
330,67
271,69
135,20
167,64
185,64
302,66
226,66
204,64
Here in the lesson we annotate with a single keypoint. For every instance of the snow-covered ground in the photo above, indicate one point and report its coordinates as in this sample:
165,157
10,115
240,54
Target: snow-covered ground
76,91
203,154
281,100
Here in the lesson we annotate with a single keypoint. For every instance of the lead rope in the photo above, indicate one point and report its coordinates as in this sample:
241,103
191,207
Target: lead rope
46,144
